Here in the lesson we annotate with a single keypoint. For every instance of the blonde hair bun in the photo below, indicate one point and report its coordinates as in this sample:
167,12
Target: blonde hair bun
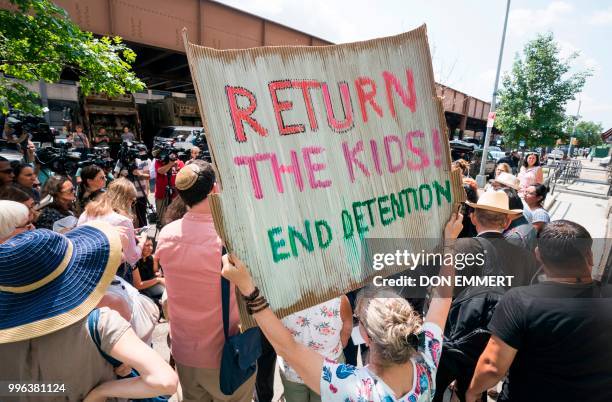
392,325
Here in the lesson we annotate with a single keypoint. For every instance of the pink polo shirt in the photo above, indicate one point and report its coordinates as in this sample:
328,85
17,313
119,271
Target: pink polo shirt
189,252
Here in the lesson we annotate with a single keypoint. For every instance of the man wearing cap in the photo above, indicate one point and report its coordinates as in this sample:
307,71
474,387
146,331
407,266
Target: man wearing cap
465,333
520,232
492,216
50,329
189,250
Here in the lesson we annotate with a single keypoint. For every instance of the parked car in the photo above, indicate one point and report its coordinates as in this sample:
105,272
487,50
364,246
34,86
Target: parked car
554,156
496,152
183,135
461,150
489,166
184,138
10,151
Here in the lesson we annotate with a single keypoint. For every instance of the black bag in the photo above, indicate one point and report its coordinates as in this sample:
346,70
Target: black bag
240,352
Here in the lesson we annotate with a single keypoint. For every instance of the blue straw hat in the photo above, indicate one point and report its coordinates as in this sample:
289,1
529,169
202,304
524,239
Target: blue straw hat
49,281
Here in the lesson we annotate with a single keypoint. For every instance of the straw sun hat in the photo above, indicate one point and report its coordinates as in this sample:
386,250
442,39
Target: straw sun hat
49,281
496,201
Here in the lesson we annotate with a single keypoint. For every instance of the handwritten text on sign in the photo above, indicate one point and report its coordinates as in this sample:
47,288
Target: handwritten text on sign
320,148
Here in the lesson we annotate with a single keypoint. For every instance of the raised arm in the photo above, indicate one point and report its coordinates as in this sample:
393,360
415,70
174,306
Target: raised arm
306,362
442,295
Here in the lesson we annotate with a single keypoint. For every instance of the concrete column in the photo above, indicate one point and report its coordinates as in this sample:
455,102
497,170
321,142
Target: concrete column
462,125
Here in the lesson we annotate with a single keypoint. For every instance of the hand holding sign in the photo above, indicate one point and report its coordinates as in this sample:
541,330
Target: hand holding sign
320,149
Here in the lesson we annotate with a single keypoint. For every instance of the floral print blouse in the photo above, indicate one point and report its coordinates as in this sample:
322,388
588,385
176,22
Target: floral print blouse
346,383
318,328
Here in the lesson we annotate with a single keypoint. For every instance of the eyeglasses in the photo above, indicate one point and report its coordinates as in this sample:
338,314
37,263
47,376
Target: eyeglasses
72,190
7,170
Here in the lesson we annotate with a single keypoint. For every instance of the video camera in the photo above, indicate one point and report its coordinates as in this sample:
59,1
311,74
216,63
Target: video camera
60,159
129,152
100,157
166,152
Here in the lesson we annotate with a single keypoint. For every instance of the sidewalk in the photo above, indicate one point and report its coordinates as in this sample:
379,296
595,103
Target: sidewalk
585,201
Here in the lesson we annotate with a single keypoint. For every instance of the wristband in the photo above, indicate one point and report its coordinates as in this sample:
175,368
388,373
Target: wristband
254,294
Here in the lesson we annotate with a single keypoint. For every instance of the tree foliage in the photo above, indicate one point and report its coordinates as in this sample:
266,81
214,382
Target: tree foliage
534,94
588,133
38,41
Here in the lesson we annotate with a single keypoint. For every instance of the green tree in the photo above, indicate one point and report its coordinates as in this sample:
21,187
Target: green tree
534,94
588,133
38,41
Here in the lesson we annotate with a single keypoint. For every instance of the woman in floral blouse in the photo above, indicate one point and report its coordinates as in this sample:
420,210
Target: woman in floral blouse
324,328
404,352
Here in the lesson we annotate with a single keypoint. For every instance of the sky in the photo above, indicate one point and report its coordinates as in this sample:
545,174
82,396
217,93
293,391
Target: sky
465,36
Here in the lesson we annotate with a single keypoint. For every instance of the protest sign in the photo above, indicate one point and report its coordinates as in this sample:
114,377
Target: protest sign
319,148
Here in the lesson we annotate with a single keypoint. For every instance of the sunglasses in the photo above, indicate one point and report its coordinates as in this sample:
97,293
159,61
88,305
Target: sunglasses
7,170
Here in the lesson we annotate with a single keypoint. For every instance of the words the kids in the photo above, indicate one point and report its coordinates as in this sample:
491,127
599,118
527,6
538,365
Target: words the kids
364,157
386,153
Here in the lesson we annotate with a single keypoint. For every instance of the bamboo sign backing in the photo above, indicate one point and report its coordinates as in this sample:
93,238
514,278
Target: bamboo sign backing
319,149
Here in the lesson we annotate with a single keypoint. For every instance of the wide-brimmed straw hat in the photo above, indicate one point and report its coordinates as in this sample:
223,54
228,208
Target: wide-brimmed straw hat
496,201
49,281
508,180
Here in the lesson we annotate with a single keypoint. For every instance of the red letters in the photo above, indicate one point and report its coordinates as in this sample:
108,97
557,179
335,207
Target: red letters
351,159
367,97
306,85
409,99
345,96
239,114
280,106
394,167
418,151
312,168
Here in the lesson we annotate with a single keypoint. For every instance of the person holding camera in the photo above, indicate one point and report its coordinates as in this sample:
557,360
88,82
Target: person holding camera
136,170
167,166
101,139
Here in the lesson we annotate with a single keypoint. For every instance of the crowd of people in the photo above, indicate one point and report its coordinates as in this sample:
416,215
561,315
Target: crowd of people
82,288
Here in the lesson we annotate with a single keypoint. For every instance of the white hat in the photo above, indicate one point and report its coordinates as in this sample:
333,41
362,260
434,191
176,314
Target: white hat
496,201
508,180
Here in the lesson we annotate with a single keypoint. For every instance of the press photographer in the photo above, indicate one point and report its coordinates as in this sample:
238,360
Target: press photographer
60,159
133,164
167,165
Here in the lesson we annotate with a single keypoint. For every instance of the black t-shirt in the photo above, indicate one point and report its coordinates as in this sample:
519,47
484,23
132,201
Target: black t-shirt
563,334
145,268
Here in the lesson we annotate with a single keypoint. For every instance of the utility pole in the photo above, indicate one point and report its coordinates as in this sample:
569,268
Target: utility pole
481,178
573,136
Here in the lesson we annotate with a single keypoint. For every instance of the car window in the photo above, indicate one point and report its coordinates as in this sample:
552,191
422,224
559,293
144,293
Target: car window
166,132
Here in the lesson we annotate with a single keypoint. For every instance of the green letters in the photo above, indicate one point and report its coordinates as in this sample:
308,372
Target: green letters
276,244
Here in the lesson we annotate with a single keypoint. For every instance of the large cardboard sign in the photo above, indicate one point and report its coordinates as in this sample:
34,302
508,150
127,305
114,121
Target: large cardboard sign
319,148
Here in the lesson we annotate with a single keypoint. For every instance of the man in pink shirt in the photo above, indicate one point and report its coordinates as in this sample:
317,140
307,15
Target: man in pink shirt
189,250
